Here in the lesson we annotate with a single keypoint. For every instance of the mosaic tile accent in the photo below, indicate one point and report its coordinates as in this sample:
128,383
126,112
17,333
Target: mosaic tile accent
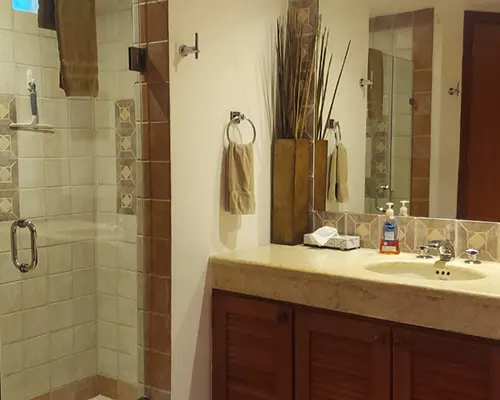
366,226
482,236
333,219
126,156
9,177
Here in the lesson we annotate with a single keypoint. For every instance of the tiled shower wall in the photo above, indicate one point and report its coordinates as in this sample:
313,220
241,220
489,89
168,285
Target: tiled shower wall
48,338
410,36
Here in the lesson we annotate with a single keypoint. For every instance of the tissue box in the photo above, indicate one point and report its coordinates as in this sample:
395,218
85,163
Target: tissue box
342,242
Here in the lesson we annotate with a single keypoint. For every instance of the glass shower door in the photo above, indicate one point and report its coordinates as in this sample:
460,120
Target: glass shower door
70,326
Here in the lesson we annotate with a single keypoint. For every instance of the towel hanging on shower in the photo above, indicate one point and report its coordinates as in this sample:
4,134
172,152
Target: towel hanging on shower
77,37
338,191
47,14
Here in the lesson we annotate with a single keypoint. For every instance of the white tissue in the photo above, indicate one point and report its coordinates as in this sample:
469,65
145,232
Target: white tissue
323,235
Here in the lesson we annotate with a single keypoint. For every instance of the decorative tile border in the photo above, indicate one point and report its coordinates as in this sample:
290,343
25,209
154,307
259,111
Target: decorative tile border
414,231
126,156
9,168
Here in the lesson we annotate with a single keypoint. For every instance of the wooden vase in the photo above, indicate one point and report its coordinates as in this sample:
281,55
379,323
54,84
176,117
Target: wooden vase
290,197
320,174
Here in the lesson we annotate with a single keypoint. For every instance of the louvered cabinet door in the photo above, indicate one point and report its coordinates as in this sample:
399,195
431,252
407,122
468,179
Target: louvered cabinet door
436,366
341,358
253,349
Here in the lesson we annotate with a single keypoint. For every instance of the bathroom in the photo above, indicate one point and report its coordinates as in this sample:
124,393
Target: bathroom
126,189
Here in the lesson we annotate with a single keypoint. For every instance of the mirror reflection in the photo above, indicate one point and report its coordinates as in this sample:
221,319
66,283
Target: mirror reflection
430,100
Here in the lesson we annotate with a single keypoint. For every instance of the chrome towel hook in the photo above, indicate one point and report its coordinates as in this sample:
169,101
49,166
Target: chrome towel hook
236,118
184,50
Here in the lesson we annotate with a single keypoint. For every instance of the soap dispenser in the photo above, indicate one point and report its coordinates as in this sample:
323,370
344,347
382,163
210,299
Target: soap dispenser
389,242
403,211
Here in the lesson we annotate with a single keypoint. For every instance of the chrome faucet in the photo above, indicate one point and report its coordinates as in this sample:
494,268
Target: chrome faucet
445,247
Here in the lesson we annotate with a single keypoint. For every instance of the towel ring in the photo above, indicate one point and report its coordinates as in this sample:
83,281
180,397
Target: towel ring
236,120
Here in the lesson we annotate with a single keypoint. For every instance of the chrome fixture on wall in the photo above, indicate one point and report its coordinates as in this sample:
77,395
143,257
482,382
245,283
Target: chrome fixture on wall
184,50
24,267
455,91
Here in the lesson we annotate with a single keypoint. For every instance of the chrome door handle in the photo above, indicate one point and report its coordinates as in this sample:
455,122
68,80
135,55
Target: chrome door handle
24,267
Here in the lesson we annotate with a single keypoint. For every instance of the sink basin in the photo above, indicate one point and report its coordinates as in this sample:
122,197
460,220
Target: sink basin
434,272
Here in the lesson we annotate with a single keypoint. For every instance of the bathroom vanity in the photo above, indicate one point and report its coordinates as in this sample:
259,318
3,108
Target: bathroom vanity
300,323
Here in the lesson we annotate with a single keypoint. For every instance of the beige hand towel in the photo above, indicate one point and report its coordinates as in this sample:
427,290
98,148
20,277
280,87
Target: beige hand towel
342,174
332,183
77,37
240,175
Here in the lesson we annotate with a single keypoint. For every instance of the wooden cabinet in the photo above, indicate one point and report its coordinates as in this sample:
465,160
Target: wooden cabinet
341,358
252,353
437,366
266,350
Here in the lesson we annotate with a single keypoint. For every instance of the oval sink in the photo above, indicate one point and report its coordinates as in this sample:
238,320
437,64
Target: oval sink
415,270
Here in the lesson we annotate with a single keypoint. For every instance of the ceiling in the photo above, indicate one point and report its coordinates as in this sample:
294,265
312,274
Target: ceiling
387,7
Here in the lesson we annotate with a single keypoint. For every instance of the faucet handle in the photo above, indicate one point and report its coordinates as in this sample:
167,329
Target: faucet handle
473,256
423,252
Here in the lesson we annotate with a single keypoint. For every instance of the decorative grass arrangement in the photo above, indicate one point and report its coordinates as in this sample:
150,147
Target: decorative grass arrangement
294,80
322,83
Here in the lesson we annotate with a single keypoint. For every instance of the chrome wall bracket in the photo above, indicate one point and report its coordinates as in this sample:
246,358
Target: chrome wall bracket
185,51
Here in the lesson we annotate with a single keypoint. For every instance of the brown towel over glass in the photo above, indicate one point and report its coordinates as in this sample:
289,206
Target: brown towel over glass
77,37
47,14
376,90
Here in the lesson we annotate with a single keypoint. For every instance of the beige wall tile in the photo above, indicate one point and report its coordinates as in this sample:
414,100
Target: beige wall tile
50,52
84,255
127,368
50,83
36,351
6,14
127,340
36,322
108,281
54,112
11,327
84,282
7,40
127,284
80,114
108,308
60,287
106,198
85,336
32,203
108,335
10,297
57,172
27,49
7,272
59,258
35,292
81,142
127,256
82,171
37,381
127,228
106,170
58,201
13,386
31,172
61,372
61,343
12,358
108,362
127,312
85,227
85,364
84,309
30,144
61,315
82,199
56,145
107,253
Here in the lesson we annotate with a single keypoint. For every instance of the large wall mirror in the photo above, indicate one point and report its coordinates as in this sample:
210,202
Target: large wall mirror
423,126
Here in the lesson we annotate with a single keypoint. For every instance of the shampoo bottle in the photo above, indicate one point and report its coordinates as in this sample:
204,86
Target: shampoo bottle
389,242
403,211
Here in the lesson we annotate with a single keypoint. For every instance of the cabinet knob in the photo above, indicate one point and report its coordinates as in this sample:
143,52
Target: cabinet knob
379,338
282,317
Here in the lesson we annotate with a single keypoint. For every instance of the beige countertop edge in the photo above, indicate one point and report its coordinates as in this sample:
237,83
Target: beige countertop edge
453,309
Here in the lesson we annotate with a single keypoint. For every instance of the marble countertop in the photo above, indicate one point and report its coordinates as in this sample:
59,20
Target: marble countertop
339,281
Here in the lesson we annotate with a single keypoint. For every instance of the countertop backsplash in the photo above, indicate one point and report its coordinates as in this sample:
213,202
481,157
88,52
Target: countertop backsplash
414,231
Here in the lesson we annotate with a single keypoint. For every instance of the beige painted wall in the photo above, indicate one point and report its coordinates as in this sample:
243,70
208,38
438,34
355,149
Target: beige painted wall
348,20
233,73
